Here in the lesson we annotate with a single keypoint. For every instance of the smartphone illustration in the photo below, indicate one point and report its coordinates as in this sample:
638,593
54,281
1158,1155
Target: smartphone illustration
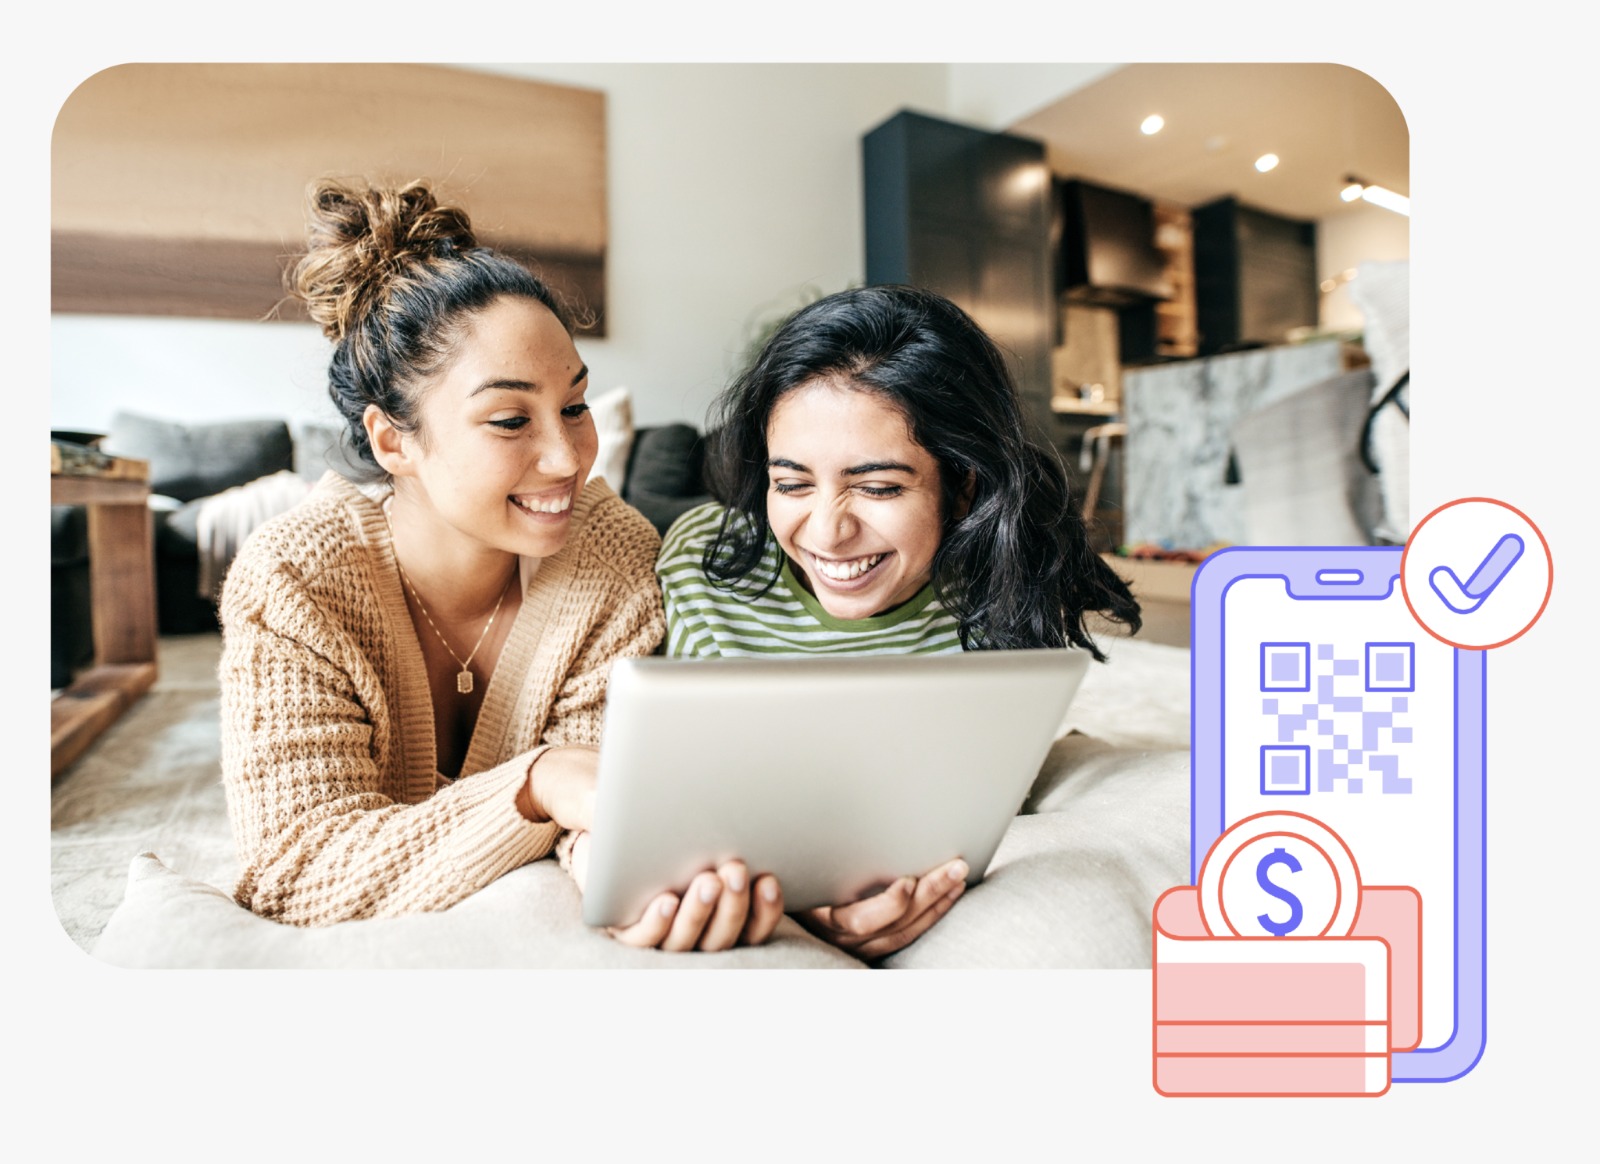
1313,689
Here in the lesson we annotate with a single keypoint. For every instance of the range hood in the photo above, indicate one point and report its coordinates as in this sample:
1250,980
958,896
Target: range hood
1107,254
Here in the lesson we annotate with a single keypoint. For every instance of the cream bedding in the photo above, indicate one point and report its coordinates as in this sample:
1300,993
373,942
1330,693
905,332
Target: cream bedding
1104,831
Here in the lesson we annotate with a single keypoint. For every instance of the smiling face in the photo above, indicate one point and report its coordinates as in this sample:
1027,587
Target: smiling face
853,500
504,439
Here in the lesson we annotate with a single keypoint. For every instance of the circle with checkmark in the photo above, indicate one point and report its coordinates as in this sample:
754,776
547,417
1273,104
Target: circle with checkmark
1476,573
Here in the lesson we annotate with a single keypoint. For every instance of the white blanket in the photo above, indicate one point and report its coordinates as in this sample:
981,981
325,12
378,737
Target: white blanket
225,519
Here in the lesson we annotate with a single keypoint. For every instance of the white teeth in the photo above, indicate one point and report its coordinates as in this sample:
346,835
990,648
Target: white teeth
846,571
554,505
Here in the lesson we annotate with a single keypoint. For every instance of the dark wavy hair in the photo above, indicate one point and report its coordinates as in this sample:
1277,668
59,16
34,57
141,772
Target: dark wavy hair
391,275
1016,568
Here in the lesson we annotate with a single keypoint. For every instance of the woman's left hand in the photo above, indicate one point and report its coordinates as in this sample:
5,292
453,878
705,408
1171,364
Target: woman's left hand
877,926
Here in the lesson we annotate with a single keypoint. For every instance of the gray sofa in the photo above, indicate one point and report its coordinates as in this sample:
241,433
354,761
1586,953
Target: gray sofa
666,473
189,464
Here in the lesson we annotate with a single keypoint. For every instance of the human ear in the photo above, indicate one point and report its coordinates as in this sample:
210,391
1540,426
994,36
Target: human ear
969,488
390,448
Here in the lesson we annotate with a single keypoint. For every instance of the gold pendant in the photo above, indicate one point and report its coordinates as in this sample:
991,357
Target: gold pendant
464,682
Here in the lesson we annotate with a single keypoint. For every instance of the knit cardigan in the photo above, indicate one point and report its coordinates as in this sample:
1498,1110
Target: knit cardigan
328,762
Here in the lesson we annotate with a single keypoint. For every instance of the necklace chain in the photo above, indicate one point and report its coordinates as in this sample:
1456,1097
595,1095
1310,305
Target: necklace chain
464,680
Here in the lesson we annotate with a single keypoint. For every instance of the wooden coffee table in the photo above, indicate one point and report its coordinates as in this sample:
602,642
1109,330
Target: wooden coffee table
122,595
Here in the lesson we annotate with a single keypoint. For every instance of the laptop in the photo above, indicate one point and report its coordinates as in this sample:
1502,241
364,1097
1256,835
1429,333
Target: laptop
837,774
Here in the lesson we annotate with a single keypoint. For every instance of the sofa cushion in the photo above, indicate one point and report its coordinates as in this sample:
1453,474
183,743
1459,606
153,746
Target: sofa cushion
320,446
71,638
613,425
69,535
665,462
665,476
196,460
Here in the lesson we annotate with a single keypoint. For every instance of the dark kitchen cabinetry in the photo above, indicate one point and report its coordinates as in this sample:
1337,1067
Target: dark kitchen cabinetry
1255,276
966,213
1108,255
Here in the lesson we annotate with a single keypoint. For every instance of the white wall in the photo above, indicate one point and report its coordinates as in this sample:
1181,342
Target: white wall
730,187
998,96
1359,235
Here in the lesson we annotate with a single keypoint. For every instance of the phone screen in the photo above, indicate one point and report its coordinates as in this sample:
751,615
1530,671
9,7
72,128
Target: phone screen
1345,710
1314,690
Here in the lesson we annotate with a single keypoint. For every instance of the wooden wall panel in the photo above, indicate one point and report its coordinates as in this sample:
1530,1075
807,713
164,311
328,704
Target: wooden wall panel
179,189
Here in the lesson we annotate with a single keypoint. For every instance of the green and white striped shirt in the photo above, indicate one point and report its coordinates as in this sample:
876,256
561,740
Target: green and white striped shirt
704,620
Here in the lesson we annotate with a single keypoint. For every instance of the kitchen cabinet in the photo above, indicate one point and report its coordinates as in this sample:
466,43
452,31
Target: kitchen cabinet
966,213
1255,276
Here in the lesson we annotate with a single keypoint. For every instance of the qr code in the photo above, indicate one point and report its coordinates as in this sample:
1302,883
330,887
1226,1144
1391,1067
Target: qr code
1337,722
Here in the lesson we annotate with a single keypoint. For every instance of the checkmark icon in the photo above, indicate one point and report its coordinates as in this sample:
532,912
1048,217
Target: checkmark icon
1466,597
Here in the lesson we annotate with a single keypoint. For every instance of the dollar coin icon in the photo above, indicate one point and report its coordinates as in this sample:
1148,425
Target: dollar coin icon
1279,875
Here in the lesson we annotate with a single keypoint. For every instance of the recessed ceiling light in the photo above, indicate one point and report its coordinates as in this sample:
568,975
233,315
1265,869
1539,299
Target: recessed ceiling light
1351,192
1266,162
1152,124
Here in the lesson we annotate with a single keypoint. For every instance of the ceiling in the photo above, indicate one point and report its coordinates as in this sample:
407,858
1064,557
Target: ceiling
1323,121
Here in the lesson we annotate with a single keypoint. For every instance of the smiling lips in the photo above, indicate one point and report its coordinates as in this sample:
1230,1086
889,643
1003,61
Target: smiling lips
556,505
845,570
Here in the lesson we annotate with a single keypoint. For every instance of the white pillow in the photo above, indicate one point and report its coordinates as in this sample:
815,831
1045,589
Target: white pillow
526,919
1382,293
613,421
1074,881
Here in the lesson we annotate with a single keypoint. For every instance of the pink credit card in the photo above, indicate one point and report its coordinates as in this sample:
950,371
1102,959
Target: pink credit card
1284,1016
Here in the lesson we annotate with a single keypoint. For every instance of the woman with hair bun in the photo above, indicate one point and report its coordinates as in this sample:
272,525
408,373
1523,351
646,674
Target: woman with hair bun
414,667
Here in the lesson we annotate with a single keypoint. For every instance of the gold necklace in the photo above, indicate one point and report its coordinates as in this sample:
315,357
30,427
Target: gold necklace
464,679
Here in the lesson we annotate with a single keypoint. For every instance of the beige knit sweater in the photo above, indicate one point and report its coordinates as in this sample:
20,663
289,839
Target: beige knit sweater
327,722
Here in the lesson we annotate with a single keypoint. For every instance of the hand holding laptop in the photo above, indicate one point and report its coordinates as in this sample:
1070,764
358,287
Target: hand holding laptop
720,909
877,926
717,912
840,775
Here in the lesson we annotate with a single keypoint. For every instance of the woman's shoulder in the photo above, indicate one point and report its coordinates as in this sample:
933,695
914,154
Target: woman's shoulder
325,528
612,532
694,530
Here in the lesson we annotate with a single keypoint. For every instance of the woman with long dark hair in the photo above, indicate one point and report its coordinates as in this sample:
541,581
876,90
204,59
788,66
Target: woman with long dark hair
880,493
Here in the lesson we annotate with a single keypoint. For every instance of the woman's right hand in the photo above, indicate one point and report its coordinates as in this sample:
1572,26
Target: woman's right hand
560,787
720,910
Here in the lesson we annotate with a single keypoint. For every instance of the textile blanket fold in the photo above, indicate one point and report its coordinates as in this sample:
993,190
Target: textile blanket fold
225,519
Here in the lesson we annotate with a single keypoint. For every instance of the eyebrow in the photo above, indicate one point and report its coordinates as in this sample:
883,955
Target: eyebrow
852,471
525,385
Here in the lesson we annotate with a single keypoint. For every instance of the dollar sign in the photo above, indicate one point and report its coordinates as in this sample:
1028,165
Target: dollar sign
1279,857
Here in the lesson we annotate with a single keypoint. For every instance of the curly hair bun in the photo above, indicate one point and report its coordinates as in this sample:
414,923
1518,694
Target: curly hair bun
362,237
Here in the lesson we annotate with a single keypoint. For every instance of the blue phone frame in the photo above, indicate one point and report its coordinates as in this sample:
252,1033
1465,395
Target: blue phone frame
1301,567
